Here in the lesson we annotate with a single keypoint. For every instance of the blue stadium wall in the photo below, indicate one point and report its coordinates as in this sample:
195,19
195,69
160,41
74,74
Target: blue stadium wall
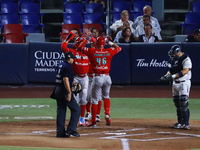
137,63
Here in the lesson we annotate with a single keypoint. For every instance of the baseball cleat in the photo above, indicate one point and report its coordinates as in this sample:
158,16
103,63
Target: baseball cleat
98,118
91,124
108,119
177,126
88,116
82,121
186,127
74,133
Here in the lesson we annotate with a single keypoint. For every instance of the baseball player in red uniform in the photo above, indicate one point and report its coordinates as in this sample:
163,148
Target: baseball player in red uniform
100,59
80,69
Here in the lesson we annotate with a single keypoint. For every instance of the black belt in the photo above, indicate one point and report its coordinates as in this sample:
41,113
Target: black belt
179,81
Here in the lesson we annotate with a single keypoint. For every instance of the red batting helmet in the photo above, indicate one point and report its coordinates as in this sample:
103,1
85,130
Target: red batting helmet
100,42
78,42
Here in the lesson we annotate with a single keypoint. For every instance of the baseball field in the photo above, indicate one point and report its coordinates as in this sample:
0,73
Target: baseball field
142,117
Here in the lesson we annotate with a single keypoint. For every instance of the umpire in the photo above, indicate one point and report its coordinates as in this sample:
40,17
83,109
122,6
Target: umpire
64,97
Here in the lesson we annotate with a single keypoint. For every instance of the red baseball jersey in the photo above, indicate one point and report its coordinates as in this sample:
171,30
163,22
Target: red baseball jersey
101,58
81,63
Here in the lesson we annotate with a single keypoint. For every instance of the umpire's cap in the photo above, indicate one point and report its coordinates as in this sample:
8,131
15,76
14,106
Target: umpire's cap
69,55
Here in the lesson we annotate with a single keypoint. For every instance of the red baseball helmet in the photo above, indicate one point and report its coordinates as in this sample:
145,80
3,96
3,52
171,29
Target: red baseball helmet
100,42
78,42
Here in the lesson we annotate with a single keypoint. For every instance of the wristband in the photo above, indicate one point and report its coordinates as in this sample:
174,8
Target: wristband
110,43
180,74
174,76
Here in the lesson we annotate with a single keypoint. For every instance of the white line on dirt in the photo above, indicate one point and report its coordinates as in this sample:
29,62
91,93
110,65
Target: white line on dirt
157,139
33,117
125,144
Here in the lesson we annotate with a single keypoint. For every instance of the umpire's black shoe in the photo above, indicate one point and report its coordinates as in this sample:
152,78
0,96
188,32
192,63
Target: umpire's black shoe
74,133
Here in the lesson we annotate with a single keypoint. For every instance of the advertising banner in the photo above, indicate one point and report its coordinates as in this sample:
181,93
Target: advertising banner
13,63
149,61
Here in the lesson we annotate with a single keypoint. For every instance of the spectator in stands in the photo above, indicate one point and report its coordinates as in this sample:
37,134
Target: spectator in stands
148,37
195,37
140,29
127,36
119,24
119,34
98,1
77,34
147,10
94,32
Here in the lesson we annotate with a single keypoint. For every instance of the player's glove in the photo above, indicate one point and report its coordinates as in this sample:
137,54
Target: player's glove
166,78
69,36
76,88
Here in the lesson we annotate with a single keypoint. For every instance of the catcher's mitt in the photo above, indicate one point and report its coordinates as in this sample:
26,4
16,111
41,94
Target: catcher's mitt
76,88
166,78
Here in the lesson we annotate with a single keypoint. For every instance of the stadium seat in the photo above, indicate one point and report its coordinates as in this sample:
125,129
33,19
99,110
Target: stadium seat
196,7
192,18
30,1
135,15
138,6
9,8
189,28
9,1
66,28
31,23
9,19
86,27
120,6
30,8
14,38
30,18
94,8
33,28
74,8
72,19
93,18
13,28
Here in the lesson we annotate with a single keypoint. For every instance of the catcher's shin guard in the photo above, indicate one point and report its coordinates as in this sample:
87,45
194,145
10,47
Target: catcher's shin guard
178,109
184,109
107,106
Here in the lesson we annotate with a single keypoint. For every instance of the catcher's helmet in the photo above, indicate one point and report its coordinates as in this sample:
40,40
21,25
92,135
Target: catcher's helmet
77,42
100,42
175,49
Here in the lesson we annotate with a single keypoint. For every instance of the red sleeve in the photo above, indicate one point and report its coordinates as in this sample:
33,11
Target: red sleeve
82,45
64,47
118,49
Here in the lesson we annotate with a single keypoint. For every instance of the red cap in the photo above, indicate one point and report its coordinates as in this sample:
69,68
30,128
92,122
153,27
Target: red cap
100,42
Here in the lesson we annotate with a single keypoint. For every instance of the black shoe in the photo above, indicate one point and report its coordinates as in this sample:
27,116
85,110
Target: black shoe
74,133
60,136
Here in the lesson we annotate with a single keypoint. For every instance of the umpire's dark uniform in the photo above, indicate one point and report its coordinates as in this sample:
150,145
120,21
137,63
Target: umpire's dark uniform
60,93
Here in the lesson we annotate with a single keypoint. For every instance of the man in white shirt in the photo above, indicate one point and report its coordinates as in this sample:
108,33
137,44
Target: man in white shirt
119,24
147,10
140,29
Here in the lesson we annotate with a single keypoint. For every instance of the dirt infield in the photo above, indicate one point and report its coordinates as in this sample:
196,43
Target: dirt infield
123,134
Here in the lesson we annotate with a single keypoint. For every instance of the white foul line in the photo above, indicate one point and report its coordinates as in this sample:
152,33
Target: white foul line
125,144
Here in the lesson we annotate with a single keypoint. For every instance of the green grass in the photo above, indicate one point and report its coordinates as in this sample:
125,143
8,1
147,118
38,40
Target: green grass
36,148
149,108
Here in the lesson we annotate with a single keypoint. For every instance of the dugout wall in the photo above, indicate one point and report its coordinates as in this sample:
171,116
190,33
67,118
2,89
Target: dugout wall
137,63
